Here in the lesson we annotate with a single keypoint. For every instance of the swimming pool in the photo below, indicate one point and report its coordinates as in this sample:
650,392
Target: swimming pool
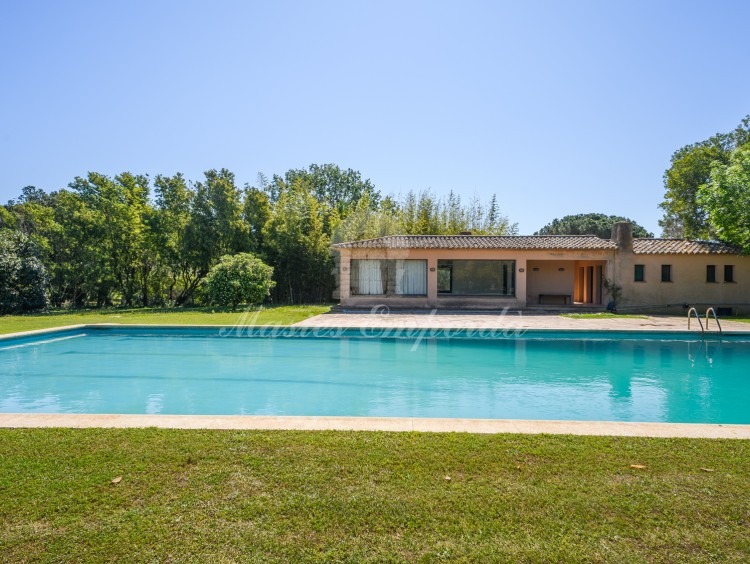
595,376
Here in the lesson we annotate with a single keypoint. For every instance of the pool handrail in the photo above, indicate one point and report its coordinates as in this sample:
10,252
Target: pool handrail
713,311
695,311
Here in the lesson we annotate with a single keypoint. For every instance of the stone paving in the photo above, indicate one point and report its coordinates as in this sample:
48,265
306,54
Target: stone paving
516,320
391,424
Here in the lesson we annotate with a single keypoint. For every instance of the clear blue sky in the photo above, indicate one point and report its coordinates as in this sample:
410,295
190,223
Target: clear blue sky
558,107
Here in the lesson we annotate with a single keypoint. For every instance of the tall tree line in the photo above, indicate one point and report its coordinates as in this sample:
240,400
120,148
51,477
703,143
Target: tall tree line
695,187
598,224
134,241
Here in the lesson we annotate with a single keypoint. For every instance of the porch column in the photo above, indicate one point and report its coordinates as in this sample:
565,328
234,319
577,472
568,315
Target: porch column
344,278
521,270
432,281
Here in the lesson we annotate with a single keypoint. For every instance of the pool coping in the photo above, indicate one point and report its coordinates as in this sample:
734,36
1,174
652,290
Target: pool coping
389,424
46,330
392,424
367,330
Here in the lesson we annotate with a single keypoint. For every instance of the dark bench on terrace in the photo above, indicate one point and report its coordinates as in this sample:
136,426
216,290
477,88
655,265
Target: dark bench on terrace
557,299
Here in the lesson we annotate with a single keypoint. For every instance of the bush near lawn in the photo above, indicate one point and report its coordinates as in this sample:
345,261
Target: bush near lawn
239,279
23,277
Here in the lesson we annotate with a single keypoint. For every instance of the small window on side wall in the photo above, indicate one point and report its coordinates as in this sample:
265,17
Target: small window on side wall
711,273
729,273
666,272
640,273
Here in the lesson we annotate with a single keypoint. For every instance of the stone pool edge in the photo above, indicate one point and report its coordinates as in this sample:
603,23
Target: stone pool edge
365,330
45,331
392,424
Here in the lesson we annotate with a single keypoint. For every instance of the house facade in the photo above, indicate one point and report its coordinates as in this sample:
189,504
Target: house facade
519,272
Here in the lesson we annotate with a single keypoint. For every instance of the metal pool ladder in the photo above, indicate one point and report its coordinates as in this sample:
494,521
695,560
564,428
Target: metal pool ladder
716,317
710,310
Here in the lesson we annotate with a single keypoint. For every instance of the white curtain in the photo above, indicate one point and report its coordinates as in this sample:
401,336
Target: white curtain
411,277
370,280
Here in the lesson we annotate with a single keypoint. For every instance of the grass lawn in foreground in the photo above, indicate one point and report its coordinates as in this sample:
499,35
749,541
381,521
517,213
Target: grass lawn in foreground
363,496
603,315
610,315
277,315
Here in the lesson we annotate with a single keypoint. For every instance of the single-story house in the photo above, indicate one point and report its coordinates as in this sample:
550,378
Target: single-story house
495,272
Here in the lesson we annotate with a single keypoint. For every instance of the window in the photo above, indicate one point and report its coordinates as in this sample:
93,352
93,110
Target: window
711,273
369,277
445,278
477,277
640,273
666,272
411,277
378,277
729,273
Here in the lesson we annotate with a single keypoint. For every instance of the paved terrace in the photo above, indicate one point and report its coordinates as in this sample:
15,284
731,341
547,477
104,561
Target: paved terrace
515,320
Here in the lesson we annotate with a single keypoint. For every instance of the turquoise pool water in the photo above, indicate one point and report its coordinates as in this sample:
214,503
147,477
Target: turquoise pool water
537,375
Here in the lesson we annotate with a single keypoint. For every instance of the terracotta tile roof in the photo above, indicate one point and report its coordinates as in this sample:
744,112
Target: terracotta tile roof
544,242
539,242
680,247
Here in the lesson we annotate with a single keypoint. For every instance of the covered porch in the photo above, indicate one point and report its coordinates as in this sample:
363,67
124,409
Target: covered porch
570,283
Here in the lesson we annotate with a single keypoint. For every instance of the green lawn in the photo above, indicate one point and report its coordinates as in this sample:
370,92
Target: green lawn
602,315
280,315
609,315
220,496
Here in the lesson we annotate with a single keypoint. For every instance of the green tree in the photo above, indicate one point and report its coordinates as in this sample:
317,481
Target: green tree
140,256
256,210
33,215
332,186
120,209
298,247
180,262
32,194
238,279
597,224
78,264
453,215
690,169
726,199
7,219
420,214
62,228
216,227
425,214
494,220
23,278
366,222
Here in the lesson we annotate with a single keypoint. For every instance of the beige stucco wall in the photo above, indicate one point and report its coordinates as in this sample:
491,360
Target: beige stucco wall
524,294
549,277
688,284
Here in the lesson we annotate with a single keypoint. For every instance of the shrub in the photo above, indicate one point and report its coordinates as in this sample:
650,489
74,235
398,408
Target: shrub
237,279
23,278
